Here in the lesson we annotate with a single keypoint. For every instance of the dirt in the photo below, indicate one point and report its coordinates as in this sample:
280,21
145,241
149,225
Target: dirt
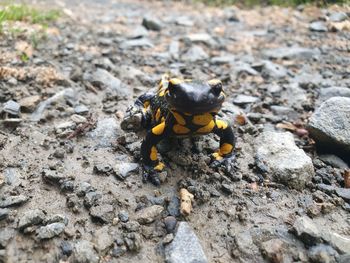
50,158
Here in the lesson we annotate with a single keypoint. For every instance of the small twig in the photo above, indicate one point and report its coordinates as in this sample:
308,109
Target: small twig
83,128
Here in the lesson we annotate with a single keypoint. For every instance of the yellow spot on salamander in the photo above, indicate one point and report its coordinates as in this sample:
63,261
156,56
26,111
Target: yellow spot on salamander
179,129
175,81
217,156
179,119
202,119
161,93
226,148
207,128
158,115
159,129
221,124
159,167
146,104
153,154
214,82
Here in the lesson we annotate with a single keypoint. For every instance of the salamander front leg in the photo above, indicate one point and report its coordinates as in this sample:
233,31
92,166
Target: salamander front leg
149,153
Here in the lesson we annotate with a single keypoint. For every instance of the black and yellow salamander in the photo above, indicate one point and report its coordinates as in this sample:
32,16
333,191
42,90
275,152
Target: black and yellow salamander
180,108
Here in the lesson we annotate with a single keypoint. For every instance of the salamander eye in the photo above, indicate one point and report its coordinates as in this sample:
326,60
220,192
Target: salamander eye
216,86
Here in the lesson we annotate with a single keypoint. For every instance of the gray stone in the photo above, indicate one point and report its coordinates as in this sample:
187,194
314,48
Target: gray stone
133,43
6,234
105,132
50,231
200,38
294,96
333,160
138,32
273,70
327,93
330,124
340,243
102,239
102,213
323,253
309,233
220,60
123,216
53,177
92,199
285,162
242,99
57,218
28,104
170,223
291,53
12,176
184,21
273,249
84,252
15,200
67,94
152,23
106,80
174,49
148,214
185,248
318,26
81,109
30,218
83,188
122,170
343,193
338,17
12,108
4,212
243,67
195,53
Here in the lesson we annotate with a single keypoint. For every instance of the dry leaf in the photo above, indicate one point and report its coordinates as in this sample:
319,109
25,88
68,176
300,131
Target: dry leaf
340,26
241,119
186,199
287,126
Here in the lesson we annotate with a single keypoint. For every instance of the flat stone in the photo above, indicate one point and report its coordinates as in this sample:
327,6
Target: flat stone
50,231
244,99
12,108
333,160
123,170
102,239
148,214
138,32
133,43
195,53
343,193
4,212
273,70
318,26
30,218
330,125
106,80
81,109
84,252
28,104
274,151
200,38
340,243
13,200
338,17
185,247
6,234
53,177
152,23
330,92
102,213
305,229
291,53
105,132
294,96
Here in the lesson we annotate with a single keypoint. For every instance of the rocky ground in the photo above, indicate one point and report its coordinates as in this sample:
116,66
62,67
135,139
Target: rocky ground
70,180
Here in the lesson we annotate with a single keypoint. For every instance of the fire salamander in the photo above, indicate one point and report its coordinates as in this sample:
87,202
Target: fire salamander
180,108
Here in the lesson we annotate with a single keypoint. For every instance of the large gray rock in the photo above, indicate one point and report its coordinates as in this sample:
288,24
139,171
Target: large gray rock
185,248
327,93
330,125
15,200
284,161
84,252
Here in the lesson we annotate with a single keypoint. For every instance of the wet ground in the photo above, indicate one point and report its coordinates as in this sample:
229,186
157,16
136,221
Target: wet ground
71,184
